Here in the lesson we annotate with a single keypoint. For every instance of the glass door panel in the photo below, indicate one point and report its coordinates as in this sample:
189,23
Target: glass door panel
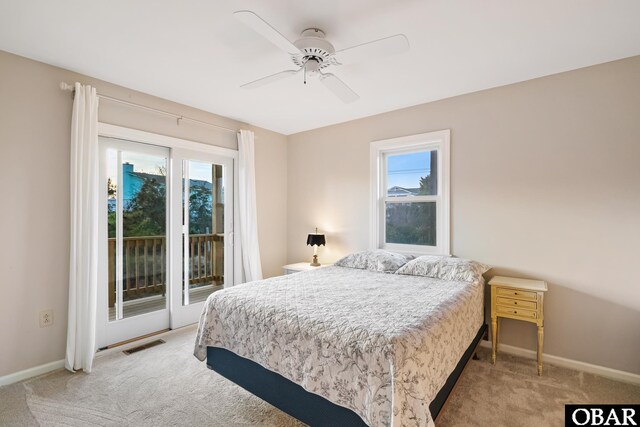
203,219
136,227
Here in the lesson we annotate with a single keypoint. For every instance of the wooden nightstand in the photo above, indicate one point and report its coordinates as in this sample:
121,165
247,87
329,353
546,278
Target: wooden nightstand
300,266
519,299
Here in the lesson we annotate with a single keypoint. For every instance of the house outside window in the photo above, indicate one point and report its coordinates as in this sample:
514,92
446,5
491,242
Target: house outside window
410,194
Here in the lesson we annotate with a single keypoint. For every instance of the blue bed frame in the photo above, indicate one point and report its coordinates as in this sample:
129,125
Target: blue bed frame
310,408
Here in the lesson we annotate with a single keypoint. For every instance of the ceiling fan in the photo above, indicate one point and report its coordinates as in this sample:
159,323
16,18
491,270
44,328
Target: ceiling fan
312,54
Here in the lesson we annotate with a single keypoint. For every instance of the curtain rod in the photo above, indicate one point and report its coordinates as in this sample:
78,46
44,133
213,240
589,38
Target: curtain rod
178,117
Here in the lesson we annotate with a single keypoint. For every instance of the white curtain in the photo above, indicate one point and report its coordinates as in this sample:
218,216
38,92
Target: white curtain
83,263
250,250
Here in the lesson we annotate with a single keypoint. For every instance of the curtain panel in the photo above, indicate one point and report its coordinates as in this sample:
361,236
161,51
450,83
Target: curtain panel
250,249
83,256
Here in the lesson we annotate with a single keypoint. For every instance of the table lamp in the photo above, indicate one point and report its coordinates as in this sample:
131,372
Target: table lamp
315,240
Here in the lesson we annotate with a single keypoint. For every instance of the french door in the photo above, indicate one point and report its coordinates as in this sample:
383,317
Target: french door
203,226
166,232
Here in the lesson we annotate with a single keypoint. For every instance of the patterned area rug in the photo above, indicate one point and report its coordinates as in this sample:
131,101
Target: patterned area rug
166,386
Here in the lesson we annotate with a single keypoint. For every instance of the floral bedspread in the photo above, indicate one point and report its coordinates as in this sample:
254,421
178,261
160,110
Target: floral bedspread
379,344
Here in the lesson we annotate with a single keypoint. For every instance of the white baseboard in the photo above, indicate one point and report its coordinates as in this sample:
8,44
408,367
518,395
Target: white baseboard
31,372
563,362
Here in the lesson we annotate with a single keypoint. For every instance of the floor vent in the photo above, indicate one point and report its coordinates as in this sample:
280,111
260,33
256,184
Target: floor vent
143,347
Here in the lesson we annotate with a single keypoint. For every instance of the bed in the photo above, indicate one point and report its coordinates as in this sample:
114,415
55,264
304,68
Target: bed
345,346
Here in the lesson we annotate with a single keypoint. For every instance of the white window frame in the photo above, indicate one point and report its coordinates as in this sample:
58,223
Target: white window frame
379,150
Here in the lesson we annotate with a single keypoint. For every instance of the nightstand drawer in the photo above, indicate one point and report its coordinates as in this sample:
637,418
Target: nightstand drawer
516,293
519,312
517,303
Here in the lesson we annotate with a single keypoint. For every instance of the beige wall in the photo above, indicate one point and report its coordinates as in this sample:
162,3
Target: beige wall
271,199
545,184
35,122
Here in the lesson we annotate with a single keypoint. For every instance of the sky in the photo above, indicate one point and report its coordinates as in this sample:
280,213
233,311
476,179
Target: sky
405,170
152,164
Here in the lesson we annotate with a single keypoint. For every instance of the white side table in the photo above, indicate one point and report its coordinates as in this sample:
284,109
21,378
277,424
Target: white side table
300,266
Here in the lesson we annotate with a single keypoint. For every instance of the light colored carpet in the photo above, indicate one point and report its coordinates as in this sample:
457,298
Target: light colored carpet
167,386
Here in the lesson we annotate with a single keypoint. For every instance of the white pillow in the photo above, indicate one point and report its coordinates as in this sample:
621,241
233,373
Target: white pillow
376,260
445,268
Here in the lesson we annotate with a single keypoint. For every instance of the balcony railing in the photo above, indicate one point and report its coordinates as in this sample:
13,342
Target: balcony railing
144,264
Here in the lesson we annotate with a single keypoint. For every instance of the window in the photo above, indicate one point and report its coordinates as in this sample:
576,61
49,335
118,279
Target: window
410,193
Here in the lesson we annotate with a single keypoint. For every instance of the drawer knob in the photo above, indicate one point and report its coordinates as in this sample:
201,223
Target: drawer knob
515,312
515,302
515,293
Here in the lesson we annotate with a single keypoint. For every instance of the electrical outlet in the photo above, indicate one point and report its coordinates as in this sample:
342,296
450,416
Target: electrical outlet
46,318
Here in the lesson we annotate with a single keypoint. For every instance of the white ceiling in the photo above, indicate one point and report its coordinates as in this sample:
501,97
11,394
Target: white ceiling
196,53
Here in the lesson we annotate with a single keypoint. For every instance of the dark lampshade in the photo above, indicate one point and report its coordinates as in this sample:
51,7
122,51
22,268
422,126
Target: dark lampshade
316,239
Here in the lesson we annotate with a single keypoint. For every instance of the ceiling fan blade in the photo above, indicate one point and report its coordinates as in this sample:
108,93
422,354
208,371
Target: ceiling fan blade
339,88
263,28
270,79
375,49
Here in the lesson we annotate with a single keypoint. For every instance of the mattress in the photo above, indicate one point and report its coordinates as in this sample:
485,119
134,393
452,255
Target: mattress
379,344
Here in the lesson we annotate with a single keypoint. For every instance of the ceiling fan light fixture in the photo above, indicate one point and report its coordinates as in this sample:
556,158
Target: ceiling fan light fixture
312,65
